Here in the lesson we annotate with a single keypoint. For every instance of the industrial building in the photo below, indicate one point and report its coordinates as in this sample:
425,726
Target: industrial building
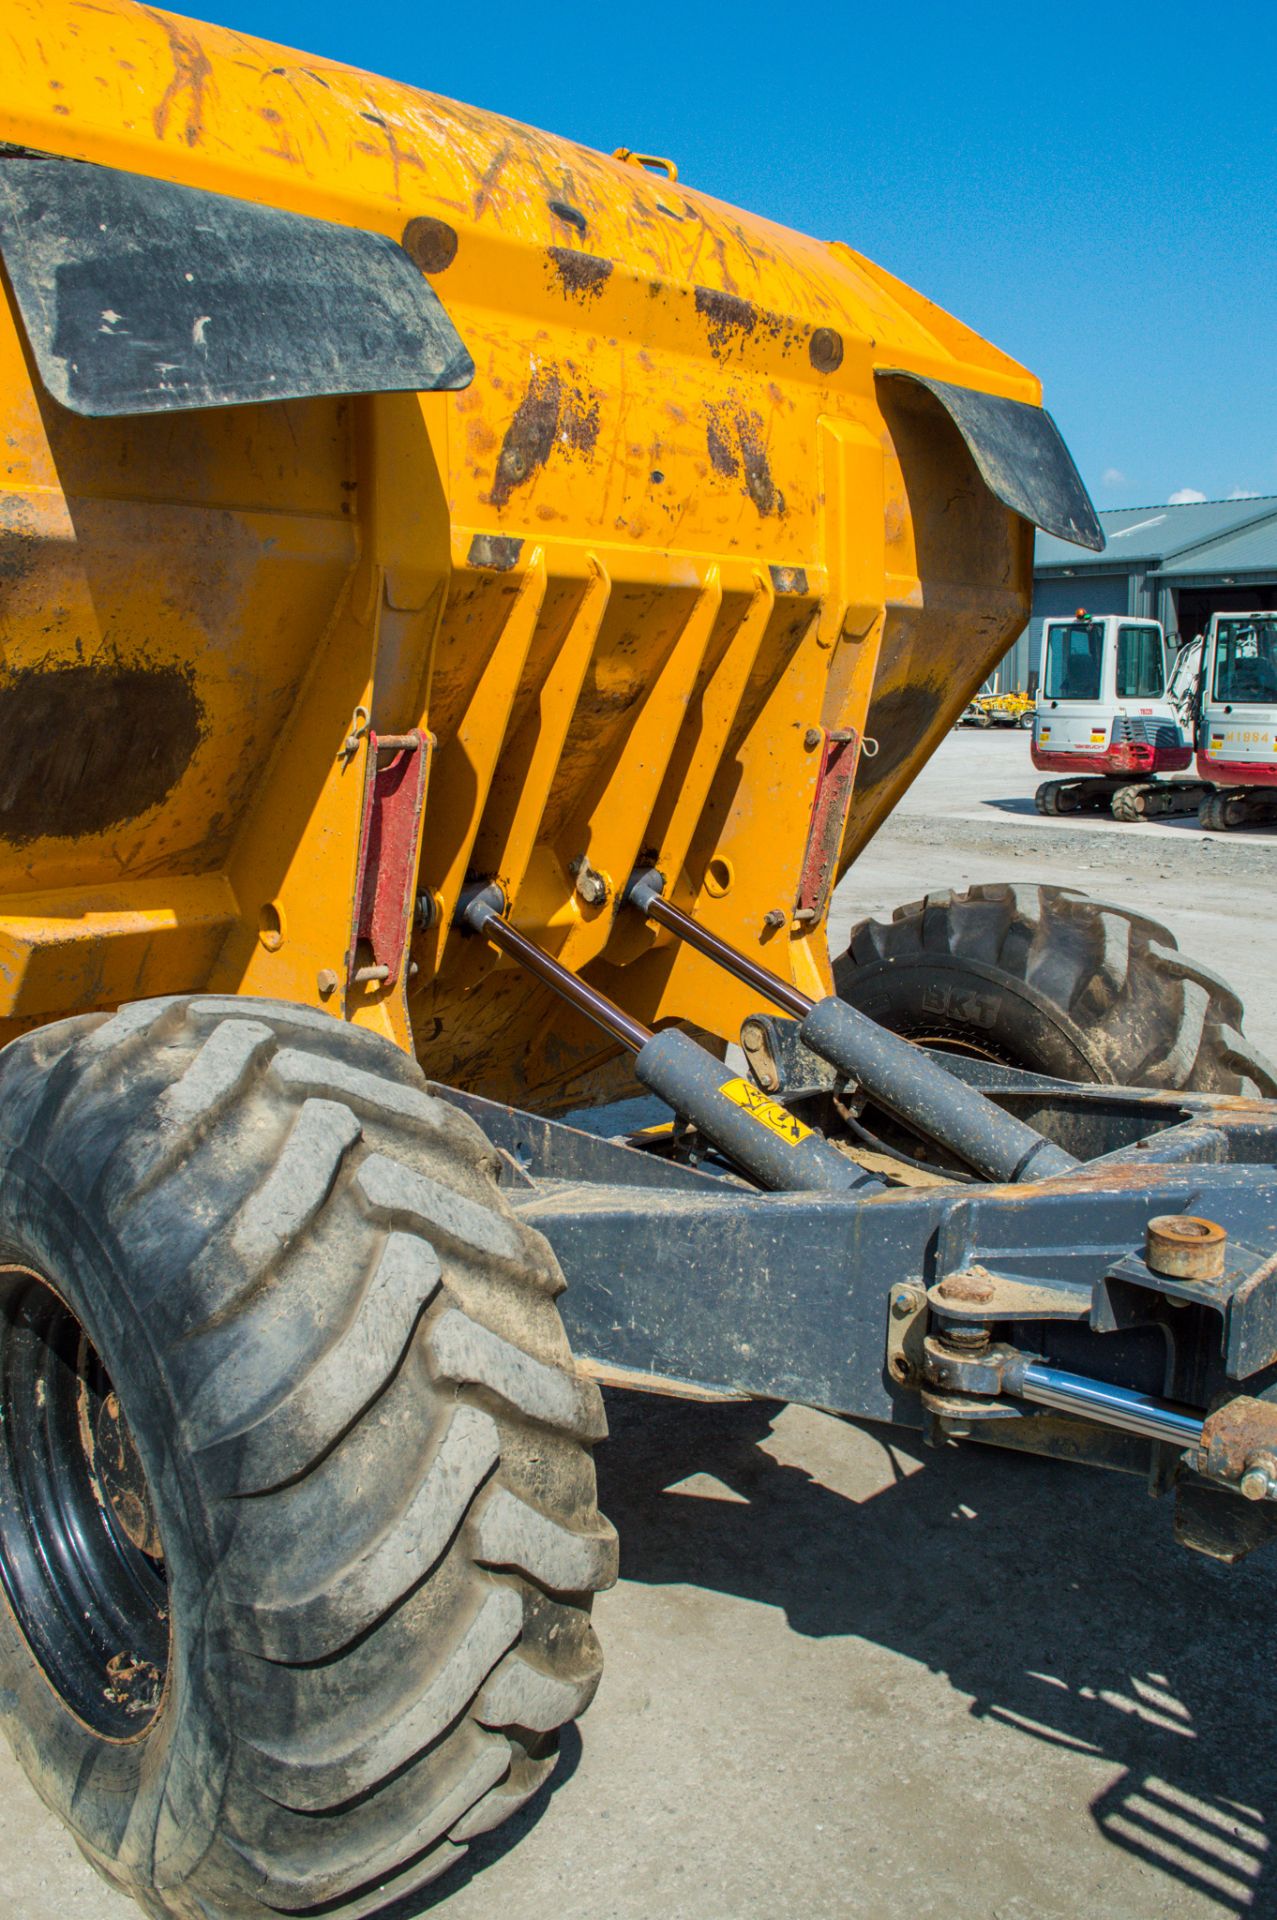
1177,564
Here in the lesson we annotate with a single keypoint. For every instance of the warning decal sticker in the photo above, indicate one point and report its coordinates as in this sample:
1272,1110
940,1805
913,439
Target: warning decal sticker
768,1113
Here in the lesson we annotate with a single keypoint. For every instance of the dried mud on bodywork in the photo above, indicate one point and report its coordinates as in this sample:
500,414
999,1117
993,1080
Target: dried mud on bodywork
550,412
582,276
84,748
734,438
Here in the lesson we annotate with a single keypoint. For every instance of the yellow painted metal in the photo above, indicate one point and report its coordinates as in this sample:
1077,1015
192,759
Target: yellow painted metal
676,525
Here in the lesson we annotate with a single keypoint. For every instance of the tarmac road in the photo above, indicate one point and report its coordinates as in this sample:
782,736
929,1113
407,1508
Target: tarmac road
848,1676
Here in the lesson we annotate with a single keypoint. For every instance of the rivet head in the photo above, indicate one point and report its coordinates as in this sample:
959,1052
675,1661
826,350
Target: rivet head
825,350
429,243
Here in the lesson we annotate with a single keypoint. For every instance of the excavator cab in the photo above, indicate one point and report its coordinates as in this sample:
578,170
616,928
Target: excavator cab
1237,730
1103,710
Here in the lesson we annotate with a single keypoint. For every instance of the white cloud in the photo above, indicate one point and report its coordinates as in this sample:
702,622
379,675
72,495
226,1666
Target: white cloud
1243,493
1113,478
1186,497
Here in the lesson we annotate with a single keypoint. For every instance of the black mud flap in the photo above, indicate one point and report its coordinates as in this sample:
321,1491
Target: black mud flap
139,296
1022,458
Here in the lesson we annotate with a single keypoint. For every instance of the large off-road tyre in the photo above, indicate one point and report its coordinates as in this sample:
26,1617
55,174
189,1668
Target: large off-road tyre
297,1505
1045,979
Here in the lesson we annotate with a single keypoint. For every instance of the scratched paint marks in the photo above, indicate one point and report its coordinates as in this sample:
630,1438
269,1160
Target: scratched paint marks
192,72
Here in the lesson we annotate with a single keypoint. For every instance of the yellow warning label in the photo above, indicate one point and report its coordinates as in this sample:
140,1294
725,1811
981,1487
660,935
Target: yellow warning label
768,1113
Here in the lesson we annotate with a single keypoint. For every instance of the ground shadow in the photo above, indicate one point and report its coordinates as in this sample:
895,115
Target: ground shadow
1054,1596
1012,803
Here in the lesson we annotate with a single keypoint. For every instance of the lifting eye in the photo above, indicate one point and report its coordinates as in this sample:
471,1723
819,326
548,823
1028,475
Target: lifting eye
650,162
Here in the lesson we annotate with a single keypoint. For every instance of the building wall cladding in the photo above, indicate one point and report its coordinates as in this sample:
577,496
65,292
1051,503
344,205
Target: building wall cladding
1176,564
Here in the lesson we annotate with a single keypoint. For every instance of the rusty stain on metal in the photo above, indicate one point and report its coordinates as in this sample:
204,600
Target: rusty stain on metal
789,579
431,243
835,779
1236,1435
582,276
494,552
967,1289
1185,1247
132,1683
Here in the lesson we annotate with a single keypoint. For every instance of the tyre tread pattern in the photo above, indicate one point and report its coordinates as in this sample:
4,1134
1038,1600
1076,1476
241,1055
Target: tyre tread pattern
1136,1010
386,1426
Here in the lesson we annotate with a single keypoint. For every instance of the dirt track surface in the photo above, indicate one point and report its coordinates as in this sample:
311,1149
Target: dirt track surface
848,1676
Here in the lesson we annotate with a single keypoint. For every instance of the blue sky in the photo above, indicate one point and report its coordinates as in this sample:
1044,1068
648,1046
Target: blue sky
1094,188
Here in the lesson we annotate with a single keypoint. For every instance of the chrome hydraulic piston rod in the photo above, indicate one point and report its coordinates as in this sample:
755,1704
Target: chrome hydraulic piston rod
1108,1405
896,1074
760,1137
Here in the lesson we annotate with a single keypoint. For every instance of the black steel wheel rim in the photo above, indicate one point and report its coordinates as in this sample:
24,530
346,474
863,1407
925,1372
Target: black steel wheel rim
81,1560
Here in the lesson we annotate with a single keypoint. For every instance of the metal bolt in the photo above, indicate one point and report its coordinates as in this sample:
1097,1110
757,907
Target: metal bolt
327,982
591,885
825,350
904,1301
1183,1246
1257,1482
429,911
966,1339
966,1288
812,738
776,918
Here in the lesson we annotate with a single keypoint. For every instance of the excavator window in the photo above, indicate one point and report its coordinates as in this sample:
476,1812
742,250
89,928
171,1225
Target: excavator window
1074,660
1141,669
1246,661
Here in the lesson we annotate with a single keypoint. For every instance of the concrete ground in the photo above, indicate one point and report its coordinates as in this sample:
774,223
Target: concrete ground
848,1676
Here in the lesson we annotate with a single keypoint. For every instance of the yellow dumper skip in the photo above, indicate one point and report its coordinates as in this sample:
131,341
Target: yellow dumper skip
692,568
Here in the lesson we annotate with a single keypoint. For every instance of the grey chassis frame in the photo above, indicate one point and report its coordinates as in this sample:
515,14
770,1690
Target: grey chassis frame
687,1279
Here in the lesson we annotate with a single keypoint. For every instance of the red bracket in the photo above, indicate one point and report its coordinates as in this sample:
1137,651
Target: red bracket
385,880
829,812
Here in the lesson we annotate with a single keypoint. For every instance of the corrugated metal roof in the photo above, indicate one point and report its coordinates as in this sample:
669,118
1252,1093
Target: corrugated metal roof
1191,537
1250,550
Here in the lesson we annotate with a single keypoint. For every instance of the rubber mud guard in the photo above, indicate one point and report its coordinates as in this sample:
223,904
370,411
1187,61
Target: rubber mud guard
139,296
1022,458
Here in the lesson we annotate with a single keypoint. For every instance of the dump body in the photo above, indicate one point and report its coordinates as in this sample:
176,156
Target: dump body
639,591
